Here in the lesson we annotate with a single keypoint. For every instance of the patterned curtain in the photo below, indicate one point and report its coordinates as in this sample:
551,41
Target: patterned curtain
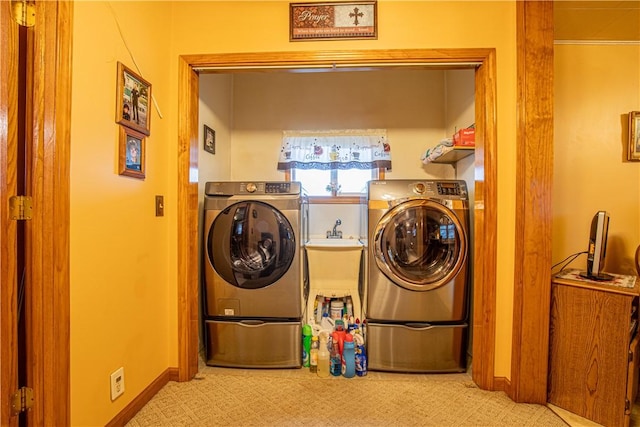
335,149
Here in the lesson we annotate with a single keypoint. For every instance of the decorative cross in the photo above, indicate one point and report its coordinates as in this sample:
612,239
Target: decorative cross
356,14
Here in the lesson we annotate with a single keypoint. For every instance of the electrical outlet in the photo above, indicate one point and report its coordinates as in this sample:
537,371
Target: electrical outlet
117,383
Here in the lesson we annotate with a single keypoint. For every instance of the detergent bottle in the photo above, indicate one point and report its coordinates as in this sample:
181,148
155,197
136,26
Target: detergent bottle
313,355
361,355
323,356
336,358
340,332
348,357
307,332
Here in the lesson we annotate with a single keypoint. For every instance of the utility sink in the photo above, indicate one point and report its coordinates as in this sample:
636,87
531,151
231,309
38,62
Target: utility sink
334,272
334,243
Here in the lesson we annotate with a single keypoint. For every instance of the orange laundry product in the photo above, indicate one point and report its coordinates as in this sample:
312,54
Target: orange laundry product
465,138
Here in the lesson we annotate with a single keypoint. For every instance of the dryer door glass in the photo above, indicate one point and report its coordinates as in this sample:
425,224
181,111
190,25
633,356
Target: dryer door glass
251,244
420,244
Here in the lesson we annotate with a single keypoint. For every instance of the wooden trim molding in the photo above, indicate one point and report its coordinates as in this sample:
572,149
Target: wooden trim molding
48,135
485,185
532,281
129,411
47,93
286,61
188,285
8,227
502,384
485,226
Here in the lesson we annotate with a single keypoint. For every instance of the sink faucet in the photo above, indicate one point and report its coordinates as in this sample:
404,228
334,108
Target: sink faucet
335,234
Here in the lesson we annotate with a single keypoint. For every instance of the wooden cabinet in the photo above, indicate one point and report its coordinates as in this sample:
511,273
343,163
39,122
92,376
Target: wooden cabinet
593,360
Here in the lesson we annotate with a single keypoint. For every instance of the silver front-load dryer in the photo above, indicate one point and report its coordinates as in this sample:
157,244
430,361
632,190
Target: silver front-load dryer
418,250
417,296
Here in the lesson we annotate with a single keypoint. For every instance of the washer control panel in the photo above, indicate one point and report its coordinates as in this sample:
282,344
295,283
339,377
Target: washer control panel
278,187
255,188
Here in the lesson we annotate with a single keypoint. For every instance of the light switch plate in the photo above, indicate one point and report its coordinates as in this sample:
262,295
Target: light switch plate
159,205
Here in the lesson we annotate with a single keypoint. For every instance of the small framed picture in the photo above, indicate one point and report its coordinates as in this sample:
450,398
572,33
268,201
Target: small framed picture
132,153
633,151
132,100
209,140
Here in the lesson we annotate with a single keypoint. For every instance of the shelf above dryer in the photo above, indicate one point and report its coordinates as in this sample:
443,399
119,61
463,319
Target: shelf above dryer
454,155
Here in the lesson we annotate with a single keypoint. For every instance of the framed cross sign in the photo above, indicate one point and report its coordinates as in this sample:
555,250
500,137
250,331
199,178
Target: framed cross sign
333,20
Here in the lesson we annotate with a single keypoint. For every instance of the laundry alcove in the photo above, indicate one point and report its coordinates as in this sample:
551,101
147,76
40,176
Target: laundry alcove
190,69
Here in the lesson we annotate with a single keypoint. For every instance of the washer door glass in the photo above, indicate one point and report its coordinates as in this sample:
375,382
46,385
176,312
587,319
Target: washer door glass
420,244
251,244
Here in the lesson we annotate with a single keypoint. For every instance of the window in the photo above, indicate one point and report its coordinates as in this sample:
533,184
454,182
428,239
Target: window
335,162
336,182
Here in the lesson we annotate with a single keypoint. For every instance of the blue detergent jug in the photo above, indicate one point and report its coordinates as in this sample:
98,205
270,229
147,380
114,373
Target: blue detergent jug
348,357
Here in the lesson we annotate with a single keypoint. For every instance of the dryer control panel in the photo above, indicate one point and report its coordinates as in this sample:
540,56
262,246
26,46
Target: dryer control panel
445,189
450,189
440,188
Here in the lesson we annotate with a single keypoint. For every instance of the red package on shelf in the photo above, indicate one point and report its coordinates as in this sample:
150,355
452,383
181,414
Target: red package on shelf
465,138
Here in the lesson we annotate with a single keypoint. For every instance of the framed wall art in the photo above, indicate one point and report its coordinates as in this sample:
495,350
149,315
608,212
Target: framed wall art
633,149
131,156
209,140
333,20
132,100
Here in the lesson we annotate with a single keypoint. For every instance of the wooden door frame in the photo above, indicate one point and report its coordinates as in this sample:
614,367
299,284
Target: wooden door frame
8,227
534,214
534,160
47,305
485,206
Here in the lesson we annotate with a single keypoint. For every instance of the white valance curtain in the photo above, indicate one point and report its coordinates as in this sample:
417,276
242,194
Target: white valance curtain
335,149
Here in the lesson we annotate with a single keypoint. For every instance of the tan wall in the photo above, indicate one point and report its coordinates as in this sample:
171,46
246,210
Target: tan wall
460,112
596,86
408,104
215,112
123,307
123,258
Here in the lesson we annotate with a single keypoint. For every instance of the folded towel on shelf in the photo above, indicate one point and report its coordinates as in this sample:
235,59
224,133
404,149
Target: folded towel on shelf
441,148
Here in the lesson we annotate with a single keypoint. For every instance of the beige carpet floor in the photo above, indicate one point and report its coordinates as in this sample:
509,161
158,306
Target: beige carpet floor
296,397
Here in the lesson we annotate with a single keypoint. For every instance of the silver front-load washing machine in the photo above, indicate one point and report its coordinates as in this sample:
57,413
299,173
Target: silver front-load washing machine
417,296
253,274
